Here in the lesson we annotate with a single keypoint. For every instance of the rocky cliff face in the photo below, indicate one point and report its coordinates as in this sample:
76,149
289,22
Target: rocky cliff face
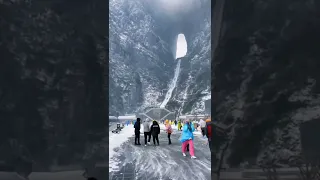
265,77
142,56
52,80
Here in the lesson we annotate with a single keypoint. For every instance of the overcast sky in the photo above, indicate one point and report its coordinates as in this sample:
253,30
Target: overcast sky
181,46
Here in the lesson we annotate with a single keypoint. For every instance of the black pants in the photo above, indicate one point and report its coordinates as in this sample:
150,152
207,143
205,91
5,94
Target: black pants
147,136
155,138
210,144
137,137
169,134
203,130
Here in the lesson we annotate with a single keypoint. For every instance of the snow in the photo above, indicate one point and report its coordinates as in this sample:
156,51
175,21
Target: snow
65,175
165,161
172,85
115,142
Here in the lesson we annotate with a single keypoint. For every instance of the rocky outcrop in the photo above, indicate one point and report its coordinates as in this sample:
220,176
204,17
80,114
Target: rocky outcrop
265,77
143,42
52,80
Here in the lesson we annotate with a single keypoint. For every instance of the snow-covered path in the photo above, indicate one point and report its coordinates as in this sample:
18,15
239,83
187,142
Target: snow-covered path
65,175
165,161
115,142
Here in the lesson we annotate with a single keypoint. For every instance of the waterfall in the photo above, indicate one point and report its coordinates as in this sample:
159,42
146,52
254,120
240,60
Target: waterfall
172,85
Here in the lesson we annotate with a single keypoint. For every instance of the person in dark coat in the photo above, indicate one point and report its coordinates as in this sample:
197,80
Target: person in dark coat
208,132
155,131
136,126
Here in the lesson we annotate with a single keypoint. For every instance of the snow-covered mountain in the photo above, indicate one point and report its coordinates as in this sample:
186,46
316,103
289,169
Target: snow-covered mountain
142,67
266,77
52,82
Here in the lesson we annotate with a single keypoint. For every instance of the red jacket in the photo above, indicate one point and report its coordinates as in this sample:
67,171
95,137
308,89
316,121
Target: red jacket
209,130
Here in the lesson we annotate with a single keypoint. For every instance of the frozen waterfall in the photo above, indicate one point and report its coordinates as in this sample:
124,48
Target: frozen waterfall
172,85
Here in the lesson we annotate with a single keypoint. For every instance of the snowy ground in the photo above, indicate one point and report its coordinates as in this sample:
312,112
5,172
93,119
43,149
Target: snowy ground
163,162
115,142
66,175
127,161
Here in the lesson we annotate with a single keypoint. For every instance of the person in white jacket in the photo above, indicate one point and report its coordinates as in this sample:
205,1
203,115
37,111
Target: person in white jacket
147,131
203,127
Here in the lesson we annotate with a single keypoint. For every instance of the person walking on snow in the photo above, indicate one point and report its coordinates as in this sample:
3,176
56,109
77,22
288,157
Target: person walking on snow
187,138
208,132
146,131
137,132
155,131
203,127
179,125
169,130
175,122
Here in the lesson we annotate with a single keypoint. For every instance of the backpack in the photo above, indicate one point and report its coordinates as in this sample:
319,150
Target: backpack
209,131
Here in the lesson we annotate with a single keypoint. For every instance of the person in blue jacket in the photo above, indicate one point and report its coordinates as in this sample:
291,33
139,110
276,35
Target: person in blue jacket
187,138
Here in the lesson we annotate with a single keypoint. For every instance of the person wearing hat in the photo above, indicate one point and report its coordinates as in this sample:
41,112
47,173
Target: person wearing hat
168,130
208,132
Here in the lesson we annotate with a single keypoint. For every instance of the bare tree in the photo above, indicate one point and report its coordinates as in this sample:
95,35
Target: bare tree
269,164
223,131
308,170
271,171
220,160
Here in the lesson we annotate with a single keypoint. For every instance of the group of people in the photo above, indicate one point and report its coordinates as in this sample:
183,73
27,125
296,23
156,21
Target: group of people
152,128
149,128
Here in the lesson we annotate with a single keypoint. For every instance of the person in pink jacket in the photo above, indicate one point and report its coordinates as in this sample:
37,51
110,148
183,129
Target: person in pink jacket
168,130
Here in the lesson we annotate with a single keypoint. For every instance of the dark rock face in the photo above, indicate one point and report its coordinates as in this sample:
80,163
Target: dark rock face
52,80
265,77
142,56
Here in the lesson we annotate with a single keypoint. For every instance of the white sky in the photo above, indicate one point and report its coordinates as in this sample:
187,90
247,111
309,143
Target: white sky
175,7
181,46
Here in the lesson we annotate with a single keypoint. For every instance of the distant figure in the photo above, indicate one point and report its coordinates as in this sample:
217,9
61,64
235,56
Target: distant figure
203,127
169,130
147,131
187,138
208,132
137,132
175,122
155,131
128,122
179,125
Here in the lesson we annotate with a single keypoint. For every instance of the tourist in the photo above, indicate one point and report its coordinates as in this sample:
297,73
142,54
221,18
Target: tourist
208,132
155,131
187,138
146,131
137,132
179,125
168,130
203,127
